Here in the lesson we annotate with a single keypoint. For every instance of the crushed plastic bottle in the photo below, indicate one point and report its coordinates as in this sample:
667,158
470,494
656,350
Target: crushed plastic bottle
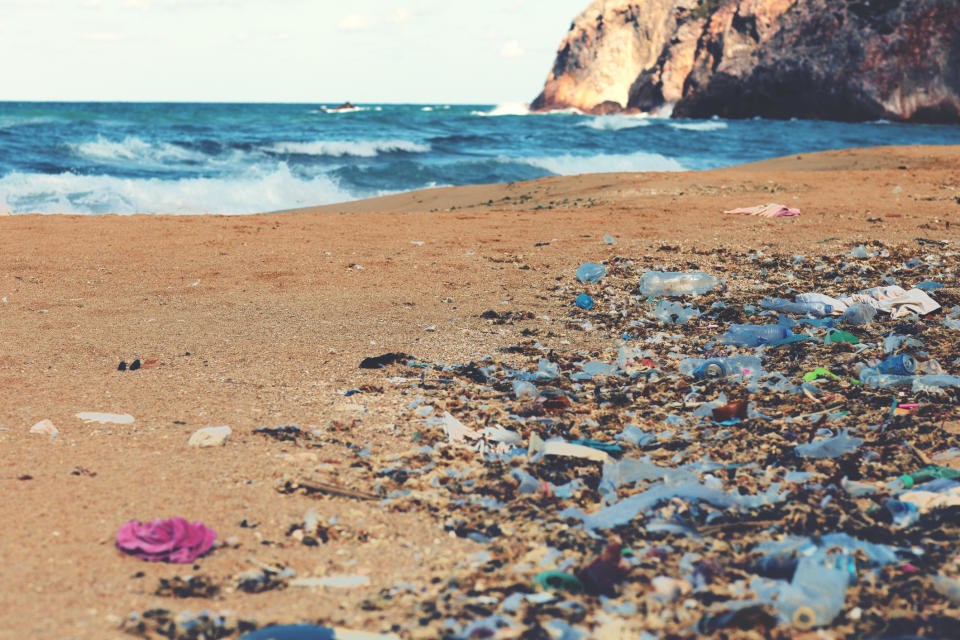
818,309
524,390
657,283
818,590
948,588
924,475
858,314
935,382
584,301
547,370
674,313
627,509
903,514
833,447
590,272
713,368
870,377
754,335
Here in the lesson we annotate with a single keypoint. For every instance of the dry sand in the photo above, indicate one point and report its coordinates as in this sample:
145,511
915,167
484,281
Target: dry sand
262,320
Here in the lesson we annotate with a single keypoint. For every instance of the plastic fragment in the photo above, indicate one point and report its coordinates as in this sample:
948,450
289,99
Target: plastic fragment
654,284
590,272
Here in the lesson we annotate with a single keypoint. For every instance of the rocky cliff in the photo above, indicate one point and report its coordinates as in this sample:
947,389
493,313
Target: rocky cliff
832,59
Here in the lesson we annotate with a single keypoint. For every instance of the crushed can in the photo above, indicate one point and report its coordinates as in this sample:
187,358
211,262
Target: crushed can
900,365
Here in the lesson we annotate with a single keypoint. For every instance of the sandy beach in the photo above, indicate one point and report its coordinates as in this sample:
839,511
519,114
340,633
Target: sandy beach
261,321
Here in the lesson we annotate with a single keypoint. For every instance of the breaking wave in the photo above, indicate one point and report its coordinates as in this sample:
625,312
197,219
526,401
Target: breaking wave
254,192
341,148
134,149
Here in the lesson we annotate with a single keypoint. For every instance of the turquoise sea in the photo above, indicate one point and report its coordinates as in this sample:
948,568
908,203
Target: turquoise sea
94,158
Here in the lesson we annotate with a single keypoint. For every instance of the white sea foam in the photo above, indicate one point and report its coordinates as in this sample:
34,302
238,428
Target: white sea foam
258,190
505,109
426,109
339,148
12,122
711,125
134,149
615,123
567,164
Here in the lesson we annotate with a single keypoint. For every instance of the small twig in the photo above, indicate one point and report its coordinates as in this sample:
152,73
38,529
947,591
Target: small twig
336,490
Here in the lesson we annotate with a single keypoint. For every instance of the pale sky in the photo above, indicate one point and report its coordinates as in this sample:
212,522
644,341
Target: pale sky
431,51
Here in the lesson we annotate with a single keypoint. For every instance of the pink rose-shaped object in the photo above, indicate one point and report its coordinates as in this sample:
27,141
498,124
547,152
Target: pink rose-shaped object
172,540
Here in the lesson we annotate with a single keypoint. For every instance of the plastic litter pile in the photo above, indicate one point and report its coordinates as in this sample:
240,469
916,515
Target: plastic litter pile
768,448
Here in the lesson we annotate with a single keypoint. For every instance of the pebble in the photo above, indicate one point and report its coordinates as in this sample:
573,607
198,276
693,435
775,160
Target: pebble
210,437
45,427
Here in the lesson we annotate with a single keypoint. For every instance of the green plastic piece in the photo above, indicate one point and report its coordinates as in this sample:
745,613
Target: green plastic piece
836,335
928,473
558,581
819,372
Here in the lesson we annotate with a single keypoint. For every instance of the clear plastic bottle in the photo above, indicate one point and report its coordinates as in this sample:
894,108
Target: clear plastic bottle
754,335
870,377
939,381
818,309
818,590
658,283
858,313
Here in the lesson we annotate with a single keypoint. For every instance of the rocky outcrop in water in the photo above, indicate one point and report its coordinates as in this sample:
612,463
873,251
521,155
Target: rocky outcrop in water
830,59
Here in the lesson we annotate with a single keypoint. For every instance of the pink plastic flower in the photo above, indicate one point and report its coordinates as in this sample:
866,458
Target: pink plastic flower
172,540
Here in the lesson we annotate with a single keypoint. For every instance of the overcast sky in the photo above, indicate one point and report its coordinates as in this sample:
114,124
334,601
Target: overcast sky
434,51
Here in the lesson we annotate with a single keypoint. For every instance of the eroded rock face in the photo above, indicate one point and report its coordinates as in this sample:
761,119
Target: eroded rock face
607,47
831,59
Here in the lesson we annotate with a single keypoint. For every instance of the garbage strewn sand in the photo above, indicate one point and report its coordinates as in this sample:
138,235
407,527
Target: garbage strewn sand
262,321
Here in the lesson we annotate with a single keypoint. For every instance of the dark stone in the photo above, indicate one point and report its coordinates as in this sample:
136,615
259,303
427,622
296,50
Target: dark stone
379,362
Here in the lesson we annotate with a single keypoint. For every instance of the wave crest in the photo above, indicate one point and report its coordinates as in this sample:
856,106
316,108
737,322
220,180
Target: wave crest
134,149
615,123
567,164
340,148
709,125
505,109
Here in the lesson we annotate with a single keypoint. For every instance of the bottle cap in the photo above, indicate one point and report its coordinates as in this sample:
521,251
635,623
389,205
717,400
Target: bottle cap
909,364
804,618
713,370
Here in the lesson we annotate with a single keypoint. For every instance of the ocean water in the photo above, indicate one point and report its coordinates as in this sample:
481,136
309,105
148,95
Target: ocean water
94,158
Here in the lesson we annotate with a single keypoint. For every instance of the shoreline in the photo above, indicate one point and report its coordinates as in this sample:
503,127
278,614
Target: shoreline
276,311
